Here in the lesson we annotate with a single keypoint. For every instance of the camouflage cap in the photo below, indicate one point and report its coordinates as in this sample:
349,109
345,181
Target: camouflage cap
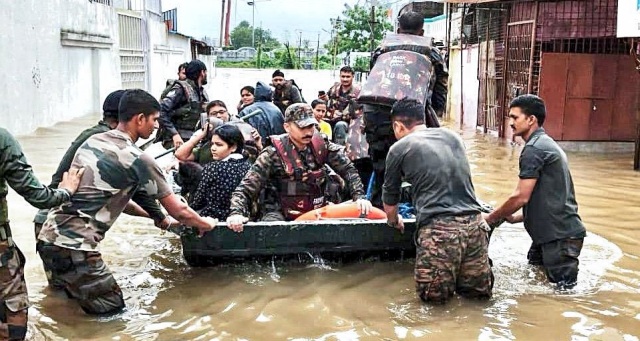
301,114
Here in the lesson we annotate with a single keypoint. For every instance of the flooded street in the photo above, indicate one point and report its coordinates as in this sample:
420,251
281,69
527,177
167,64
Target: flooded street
168,300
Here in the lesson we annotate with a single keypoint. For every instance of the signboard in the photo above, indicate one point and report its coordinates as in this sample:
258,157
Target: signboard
628,18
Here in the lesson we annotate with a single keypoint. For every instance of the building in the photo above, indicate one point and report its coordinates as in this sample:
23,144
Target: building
566,52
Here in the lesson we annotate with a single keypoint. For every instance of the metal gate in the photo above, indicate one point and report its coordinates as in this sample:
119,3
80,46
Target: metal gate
132,63
488,115
519,59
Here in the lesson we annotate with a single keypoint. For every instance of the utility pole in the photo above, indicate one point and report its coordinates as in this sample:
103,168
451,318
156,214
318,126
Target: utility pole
318,53
300,50
227,32
221,42
372,25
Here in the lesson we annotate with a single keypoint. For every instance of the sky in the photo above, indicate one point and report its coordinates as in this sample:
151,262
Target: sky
284,18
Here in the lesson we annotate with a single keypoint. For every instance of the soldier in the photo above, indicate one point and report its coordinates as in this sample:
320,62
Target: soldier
377,119
116,169
295,165
287,92
17,173
109,122
181,107
545,193
181,77
339,96
452,239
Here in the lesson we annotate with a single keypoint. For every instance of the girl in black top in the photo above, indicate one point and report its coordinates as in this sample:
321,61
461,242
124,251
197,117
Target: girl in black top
221,177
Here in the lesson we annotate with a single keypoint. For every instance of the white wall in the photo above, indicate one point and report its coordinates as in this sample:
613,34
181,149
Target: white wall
60,59
167,52
463,86
46,82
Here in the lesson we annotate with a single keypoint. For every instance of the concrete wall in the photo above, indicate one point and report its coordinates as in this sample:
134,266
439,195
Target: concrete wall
168,51
59,60
463,86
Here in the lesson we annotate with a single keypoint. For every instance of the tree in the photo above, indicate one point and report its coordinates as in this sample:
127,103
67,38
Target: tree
354,33
242,35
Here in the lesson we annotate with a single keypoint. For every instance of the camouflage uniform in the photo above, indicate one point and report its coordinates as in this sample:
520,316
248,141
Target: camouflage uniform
289,92
271,170
378,129
452,238
180,111
342,102
451,256
17,173
115,171
146,202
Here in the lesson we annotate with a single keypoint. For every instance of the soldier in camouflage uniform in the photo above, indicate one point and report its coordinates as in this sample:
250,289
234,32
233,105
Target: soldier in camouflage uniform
287,92
17,173
116,171
182,105
339,97
109,121
452,239
377,118
295,165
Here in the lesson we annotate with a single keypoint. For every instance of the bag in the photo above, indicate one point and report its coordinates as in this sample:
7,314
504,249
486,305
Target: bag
293,83
402,70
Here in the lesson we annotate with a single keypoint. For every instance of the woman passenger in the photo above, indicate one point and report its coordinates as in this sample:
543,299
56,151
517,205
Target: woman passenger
246,97
221,177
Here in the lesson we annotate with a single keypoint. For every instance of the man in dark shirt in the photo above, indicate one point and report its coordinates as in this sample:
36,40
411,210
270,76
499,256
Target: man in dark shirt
545,193
452,239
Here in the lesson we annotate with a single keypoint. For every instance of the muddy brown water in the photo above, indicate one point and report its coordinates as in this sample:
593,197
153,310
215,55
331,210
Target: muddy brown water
168,300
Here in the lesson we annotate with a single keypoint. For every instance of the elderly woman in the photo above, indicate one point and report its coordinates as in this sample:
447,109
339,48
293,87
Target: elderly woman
221,177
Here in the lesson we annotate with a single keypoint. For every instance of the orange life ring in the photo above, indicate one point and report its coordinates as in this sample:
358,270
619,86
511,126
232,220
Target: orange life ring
345,210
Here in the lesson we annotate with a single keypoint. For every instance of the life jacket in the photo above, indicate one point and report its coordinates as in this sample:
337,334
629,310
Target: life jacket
403,69
187,116
302,190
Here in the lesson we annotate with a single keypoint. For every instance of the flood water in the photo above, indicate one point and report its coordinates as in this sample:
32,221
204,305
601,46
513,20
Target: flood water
168,300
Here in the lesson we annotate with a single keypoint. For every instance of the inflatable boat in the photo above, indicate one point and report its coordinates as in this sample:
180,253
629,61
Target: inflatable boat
333,238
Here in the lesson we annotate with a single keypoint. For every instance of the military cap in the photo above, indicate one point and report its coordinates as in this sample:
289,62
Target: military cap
110,105
301,114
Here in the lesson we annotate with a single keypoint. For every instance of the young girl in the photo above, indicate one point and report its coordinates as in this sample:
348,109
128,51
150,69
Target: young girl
222,176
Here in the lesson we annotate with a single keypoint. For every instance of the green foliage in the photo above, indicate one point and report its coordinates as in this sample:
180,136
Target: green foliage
354,33
241,36
362,64
280,60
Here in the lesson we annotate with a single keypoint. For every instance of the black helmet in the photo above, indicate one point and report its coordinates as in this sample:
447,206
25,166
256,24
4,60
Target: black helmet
110,105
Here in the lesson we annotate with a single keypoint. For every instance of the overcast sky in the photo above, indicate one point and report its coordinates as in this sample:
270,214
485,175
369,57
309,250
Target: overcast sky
200,18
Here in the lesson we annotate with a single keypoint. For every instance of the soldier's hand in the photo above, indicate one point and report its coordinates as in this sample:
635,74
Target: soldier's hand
364,206
177,141
166,223
71,180
211,222
485,216
397,223
235,222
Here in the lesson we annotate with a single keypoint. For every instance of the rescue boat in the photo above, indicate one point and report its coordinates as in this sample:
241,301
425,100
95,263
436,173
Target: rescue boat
330,238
